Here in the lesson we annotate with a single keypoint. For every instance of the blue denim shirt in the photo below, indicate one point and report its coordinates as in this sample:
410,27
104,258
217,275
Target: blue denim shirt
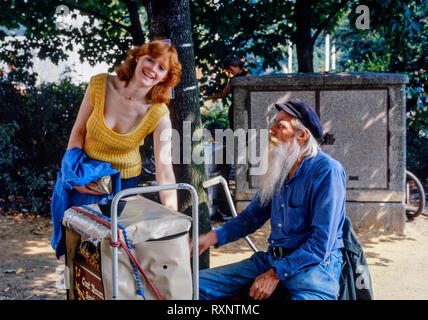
307,213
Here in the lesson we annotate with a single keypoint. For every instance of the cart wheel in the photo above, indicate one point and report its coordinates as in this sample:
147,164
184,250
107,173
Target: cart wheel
415,196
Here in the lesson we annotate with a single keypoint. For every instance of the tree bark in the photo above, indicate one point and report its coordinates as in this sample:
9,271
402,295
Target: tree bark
302,38
171,20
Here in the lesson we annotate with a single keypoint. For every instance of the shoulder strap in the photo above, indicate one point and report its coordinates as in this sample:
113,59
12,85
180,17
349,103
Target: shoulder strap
157,112
97,84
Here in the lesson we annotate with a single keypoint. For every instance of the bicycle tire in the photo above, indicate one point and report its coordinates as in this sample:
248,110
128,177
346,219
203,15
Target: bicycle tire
411,214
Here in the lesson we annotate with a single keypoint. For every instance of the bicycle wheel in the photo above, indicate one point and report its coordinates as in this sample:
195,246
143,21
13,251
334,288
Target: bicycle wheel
415,196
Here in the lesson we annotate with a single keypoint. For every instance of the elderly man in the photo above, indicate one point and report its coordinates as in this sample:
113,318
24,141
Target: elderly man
303,193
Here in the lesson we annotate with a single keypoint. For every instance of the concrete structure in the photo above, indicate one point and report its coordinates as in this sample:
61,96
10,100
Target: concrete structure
363,114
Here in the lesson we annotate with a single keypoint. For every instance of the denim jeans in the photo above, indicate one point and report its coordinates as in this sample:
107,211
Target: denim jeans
318,282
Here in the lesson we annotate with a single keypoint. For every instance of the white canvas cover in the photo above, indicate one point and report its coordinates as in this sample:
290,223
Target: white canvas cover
160,241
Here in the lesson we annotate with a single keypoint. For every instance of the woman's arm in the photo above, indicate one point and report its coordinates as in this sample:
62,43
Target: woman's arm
77,135
163,160
219,95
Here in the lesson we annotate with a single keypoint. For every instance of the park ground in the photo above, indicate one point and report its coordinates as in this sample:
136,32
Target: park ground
29,269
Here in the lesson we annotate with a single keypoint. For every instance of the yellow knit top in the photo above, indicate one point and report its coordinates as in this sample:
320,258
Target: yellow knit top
104,144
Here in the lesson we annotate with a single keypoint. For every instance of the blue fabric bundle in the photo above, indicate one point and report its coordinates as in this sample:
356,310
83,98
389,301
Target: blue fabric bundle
77,170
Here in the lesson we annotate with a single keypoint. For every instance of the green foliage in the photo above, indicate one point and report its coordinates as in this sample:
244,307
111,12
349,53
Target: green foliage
104,34
34,127
396,42
215,118
35,122
257,29
260,29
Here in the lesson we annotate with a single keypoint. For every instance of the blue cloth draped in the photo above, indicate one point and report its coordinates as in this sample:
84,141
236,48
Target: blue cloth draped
77,170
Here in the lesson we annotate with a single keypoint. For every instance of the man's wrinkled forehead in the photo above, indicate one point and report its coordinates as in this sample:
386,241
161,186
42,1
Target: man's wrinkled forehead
283,117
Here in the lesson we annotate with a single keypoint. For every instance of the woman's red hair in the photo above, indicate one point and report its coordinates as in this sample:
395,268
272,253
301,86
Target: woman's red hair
160,93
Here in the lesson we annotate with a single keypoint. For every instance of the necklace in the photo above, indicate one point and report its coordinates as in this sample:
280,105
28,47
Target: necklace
129,98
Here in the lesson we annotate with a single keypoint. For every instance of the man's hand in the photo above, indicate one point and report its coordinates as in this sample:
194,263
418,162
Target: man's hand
264,285
206,240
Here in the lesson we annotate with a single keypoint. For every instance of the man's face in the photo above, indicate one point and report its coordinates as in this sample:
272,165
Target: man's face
282,128
234,70
282,155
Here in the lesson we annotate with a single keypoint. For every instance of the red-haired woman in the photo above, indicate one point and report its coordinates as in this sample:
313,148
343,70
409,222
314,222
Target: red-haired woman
119,111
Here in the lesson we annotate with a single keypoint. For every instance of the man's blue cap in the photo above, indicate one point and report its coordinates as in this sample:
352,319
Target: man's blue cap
300,110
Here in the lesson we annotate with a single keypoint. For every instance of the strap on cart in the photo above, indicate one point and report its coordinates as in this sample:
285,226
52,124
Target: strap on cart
105,221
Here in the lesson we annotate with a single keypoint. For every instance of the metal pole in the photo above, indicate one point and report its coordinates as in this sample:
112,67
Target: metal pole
114,268
220,179
195,237
195,233
333,55
327,53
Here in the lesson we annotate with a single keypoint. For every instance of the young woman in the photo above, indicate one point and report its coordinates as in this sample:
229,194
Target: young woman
119,111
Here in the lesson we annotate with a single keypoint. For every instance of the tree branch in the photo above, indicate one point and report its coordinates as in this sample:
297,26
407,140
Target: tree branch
135,29
96,15
327,21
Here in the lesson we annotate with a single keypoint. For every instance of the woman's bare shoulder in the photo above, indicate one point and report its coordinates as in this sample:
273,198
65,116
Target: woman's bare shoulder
114,84
113,80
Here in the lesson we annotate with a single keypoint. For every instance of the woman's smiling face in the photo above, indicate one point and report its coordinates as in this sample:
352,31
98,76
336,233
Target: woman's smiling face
151,71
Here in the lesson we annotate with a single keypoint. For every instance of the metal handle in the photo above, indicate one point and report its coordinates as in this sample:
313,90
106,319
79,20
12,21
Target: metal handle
211,182
195,235
219,179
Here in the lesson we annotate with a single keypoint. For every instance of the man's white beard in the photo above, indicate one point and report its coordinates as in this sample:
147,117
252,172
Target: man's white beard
281,158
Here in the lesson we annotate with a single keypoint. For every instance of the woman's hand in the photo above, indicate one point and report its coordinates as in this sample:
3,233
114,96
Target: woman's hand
86,190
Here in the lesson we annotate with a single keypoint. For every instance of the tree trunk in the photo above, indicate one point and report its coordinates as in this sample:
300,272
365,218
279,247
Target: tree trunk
171,20
302,38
